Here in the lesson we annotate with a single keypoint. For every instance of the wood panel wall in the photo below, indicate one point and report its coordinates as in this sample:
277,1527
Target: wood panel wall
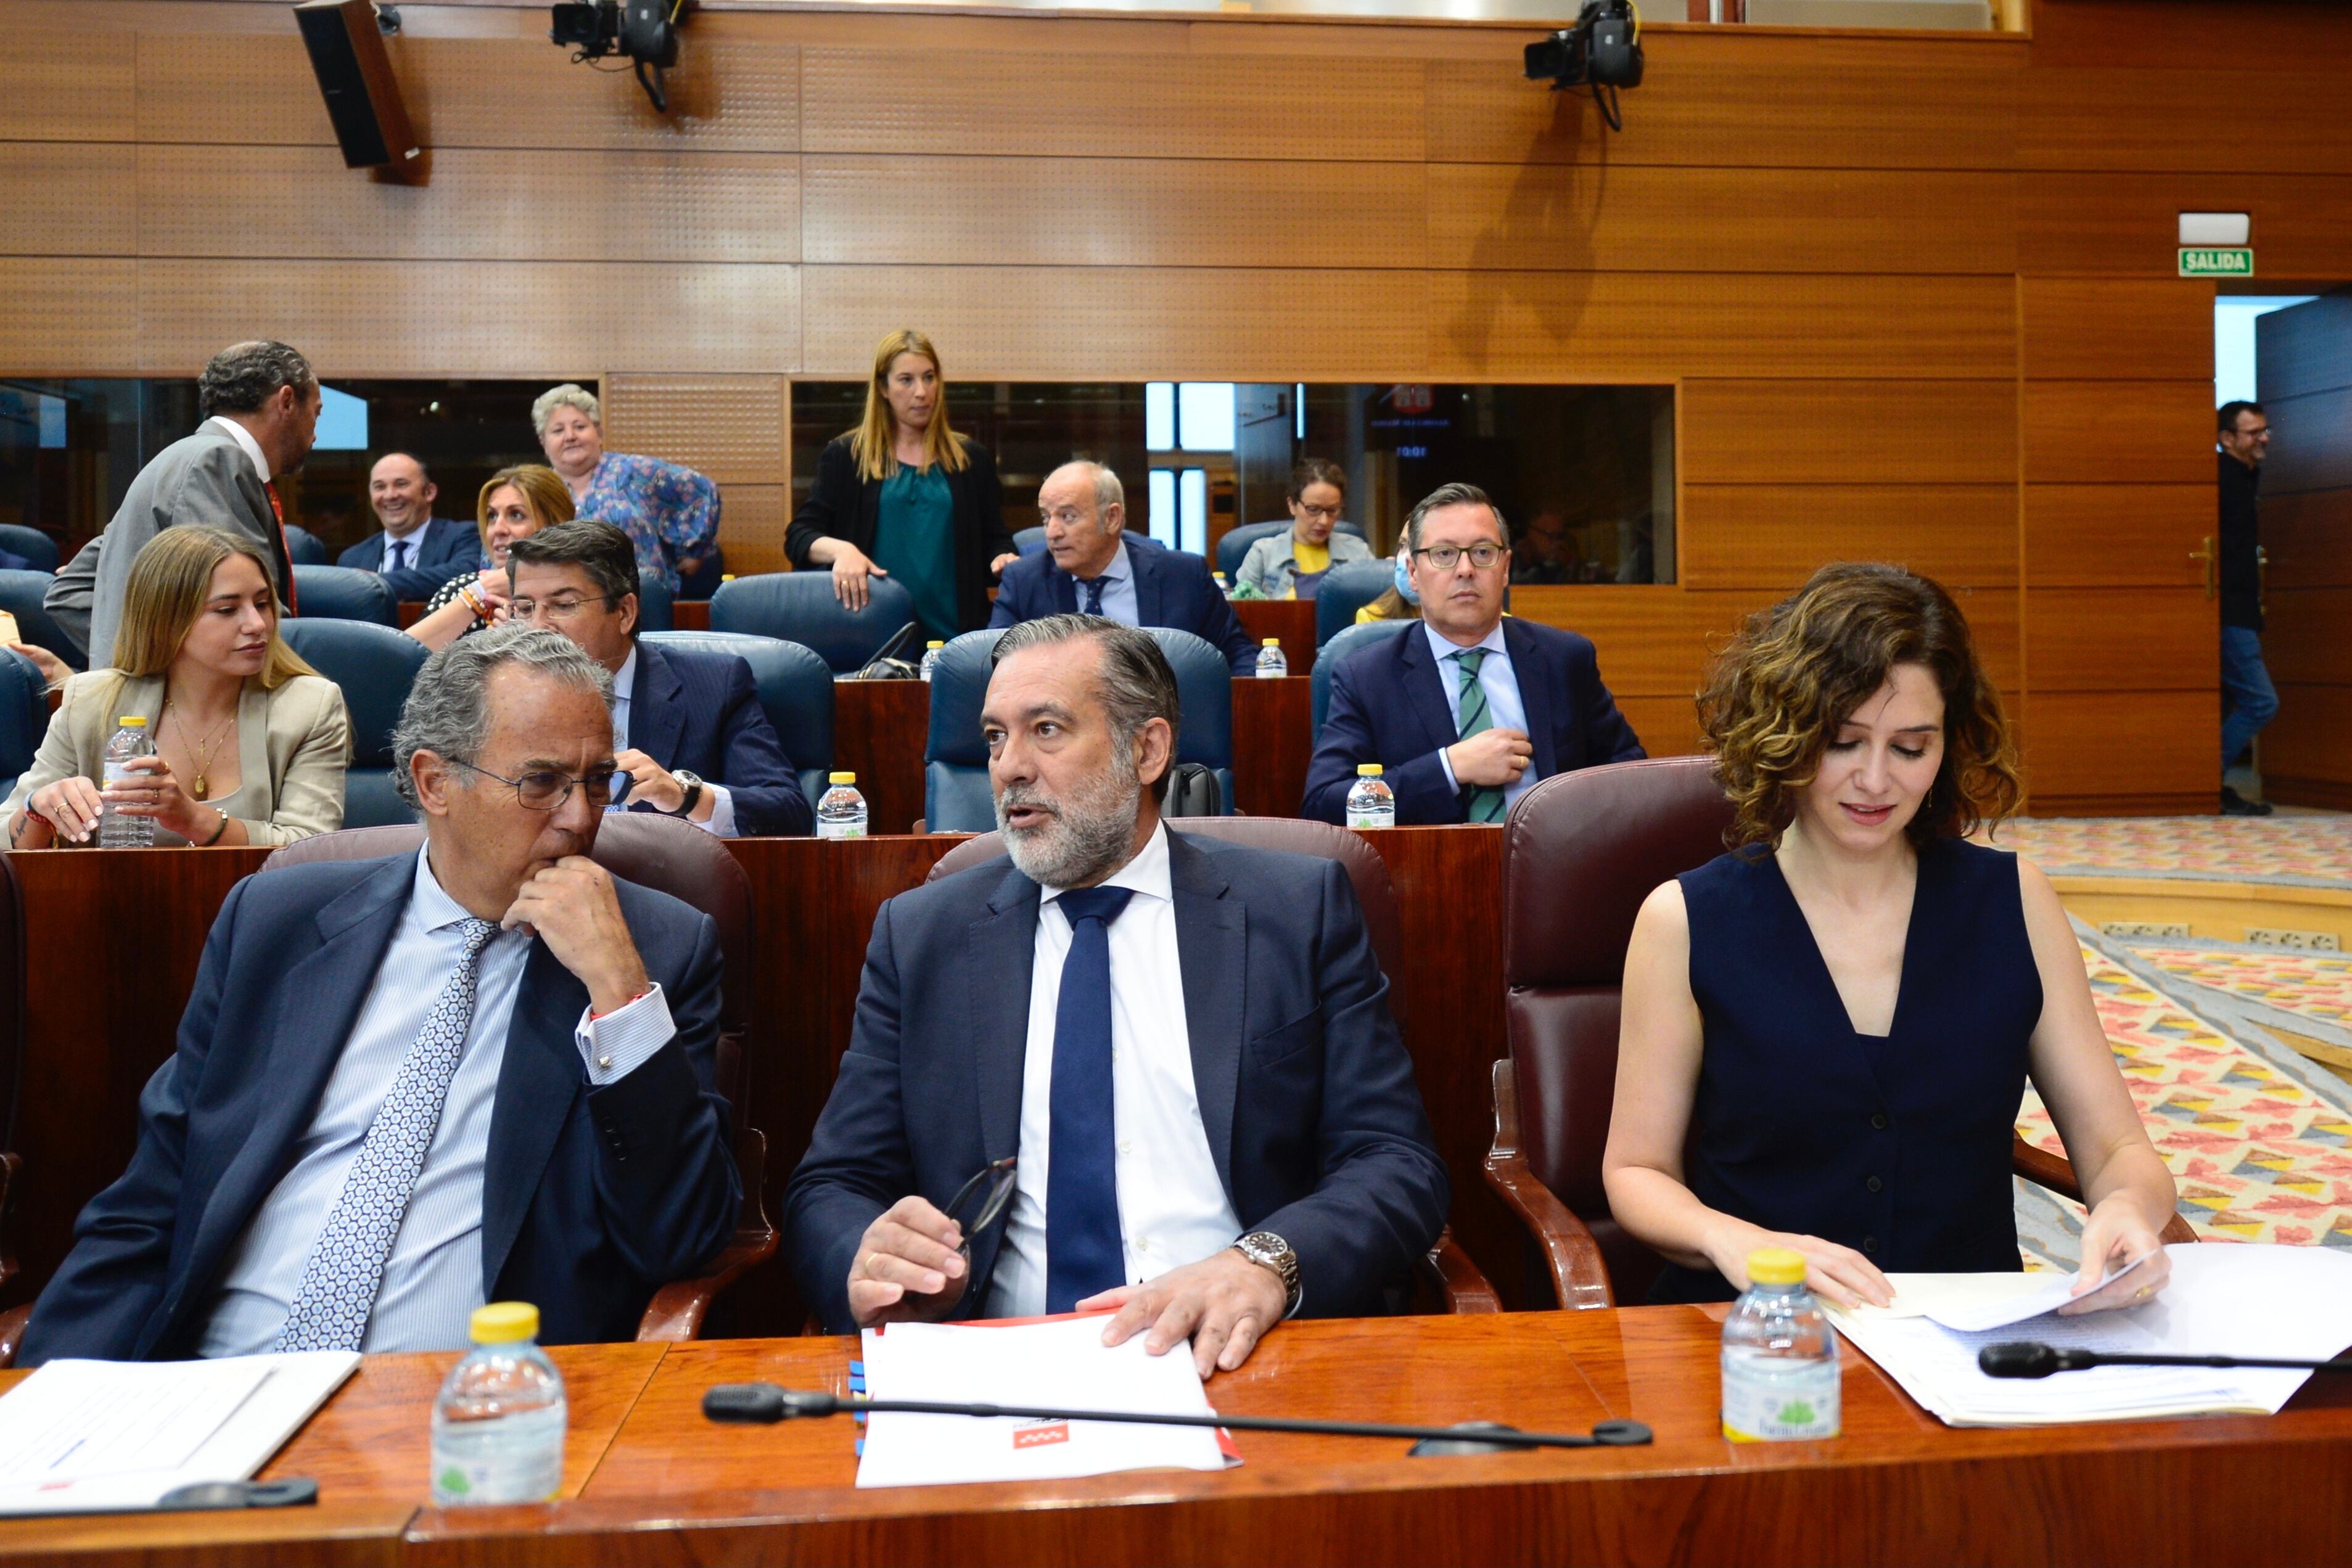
2305,355
1914,292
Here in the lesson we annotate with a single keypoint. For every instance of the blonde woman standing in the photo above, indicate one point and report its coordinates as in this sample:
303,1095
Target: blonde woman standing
904,497
251,743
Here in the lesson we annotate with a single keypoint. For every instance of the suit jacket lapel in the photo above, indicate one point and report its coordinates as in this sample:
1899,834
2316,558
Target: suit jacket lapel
657,716
1151,596
1536,695
1213,950
540,1076
1423,679
999,959
1064,588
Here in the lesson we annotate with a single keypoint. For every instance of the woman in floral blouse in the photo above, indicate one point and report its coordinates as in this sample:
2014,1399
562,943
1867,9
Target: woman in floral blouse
668,509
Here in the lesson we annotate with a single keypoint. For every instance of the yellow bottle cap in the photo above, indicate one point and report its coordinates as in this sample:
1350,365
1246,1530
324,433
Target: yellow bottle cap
132,721
935,642
503,1322
1776,1266
841,777
1368,769
1274,641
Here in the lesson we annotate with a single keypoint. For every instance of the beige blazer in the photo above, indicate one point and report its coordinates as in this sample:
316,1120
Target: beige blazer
293,747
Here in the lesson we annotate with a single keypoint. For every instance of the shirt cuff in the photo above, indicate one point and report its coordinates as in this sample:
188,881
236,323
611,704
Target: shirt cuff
625,1039
1445,765
723,812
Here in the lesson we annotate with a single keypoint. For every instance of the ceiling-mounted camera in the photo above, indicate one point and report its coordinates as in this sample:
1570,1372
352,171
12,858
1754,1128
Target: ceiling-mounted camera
643,32
1602,52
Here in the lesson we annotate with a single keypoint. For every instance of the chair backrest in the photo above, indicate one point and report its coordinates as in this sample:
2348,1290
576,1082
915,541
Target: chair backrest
704,580
957,797
344,593
1580,853
795,690
304,547
1366,873
31,543
375,667
1327,658
660,852
24,715
1236,544
1348,588
799,607
1030,540
655,604
20,595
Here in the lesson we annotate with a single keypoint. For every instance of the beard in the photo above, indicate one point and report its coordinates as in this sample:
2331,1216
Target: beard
1085,836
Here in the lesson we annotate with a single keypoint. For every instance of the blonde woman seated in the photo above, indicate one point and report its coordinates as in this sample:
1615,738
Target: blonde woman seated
1827,1033
251,743
515,504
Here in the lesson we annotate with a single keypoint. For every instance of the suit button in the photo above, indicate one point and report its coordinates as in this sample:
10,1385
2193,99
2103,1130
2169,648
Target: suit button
1874,1183
1878,1121
1870,1244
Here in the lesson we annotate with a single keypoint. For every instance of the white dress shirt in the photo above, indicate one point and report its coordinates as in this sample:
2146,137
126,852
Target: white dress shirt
405,547
1172,1207
1118,601
1504,708
722,808
433,1279
244,439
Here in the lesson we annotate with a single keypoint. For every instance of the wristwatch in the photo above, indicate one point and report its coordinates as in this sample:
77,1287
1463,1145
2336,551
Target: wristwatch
693,785
1267,1250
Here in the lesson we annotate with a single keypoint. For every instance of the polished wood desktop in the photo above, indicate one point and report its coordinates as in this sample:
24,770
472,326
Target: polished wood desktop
647,1479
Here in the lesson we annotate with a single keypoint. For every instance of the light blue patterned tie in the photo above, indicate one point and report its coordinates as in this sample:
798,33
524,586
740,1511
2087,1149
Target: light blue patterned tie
346,1263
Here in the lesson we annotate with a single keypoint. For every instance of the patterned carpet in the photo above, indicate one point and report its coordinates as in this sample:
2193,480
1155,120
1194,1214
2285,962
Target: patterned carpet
2288,852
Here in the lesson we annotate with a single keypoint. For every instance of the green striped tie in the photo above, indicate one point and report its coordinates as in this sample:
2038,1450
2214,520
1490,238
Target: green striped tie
1485,805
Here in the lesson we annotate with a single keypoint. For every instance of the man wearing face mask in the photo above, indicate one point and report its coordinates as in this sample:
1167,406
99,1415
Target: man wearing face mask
1468,709
1176,1054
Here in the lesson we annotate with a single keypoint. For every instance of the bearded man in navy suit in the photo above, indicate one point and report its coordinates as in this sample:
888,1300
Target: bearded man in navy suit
1092,565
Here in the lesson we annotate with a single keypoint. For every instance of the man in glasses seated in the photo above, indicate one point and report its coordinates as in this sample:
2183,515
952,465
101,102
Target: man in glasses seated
1466,711
687,728
1119,1068
408,1086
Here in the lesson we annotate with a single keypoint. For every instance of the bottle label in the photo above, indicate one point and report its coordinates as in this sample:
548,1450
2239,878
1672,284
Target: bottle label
528,1470
1372,816
855,828
1783,1409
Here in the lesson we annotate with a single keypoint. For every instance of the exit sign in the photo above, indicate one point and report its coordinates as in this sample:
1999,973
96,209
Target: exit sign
2217,261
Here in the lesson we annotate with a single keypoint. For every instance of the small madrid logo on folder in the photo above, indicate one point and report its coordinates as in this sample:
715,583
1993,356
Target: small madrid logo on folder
1037,1437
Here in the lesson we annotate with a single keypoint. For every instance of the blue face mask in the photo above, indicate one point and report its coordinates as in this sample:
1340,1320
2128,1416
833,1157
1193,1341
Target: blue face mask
1404,584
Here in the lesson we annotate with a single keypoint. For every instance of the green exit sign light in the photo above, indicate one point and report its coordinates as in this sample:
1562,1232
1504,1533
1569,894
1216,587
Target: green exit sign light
2217,261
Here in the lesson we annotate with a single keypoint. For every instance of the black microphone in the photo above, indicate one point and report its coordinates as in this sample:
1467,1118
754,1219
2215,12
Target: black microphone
2025,1359
764,1403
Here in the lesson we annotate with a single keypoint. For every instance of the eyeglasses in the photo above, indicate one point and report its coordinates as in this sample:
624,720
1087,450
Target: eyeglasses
1320,512
997,1176
557,609
544,789
1445,558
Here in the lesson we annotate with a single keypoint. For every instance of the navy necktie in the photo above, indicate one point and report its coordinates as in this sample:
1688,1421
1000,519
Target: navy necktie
399,556
1084,1252
1094,592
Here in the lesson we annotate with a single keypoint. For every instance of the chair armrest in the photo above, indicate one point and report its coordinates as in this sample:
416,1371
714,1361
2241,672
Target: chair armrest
2056,1173
12,1332
1447,1274
677,1310
1579,1275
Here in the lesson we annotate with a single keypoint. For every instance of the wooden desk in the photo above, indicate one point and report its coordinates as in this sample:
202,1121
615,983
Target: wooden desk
880,731
1290,620
648,1480
1272,744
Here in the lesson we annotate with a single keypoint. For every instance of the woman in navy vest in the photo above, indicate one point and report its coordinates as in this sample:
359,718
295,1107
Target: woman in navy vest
1827,1033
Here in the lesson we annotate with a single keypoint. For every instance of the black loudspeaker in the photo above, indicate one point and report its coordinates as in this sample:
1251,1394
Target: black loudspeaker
355,73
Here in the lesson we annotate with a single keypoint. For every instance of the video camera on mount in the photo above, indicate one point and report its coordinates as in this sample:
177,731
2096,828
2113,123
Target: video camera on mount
1602,51
643,32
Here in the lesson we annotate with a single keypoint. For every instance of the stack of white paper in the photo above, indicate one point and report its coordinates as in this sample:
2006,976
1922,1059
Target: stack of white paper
2293,1302
94,1437
1059,1364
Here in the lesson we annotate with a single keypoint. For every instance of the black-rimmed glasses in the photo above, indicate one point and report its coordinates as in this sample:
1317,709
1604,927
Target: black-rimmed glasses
996,1177
544,789
1445,558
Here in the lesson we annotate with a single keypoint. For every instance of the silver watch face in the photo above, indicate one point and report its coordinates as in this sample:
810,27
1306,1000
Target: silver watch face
689,780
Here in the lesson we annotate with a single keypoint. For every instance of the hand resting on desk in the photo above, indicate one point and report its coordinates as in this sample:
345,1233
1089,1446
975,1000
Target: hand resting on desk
1224,1302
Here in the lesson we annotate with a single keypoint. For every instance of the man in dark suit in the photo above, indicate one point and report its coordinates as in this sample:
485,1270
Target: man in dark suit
688,726
1467,709
1090,566
415,552
260,407
1176,1053
408,1086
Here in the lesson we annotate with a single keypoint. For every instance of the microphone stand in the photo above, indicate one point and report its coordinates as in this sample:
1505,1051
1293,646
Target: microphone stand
2030,1360
763,1404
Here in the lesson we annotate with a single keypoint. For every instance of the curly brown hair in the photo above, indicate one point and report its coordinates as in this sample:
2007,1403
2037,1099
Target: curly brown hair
1775,698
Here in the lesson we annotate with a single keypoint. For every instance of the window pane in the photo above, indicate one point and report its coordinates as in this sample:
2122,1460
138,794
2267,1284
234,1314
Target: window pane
1163,506
1159,416
1204,416
1193,510
342,422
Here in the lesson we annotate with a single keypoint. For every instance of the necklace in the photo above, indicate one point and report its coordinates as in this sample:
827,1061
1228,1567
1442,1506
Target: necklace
197,786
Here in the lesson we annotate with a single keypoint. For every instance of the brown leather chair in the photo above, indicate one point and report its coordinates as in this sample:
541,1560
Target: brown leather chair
1446,1281
1582,851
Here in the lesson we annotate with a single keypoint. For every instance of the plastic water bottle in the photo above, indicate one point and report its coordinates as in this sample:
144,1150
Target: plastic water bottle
1271,664
498,1424
116,831
1371,803
1223,587
841,813
1779,1356
930,658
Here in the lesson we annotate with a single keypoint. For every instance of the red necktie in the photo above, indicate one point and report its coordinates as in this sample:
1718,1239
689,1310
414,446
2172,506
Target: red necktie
285,550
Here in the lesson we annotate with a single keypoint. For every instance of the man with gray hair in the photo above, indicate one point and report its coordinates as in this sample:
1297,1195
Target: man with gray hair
1466,708
260,407
1092,565
406,1086
1169,1059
